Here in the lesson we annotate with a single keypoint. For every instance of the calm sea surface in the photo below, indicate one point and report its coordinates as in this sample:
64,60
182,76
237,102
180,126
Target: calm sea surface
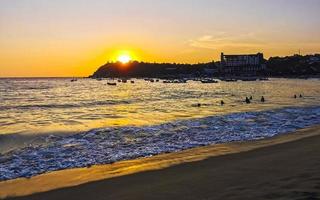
95,123
31,106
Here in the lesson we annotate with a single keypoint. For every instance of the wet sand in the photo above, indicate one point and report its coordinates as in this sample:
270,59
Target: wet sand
283,167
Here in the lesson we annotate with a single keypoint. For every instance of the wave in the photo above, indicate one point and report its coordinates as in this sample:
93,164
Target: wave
108,145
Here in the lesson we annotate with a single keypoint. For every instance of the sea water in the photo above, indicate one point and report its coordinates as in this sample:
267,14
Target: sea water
54,124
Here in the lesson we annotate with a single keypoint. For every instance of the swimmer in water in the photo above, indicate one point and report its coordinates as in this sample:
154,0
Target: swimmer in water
248,100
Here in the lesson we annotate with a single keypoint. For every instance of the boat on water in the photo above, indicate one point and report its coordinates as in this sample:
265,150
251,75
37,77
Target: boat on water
149,80
112,84
230,80
177,81
180,81
132,82
209,81
74,80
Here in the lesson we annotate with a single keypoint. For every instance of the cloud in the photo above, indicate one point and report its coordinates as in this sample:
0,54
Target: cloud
223,40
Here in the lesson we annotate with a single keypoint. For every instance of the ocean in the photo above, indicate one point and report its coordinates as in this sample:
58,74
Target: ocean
49,124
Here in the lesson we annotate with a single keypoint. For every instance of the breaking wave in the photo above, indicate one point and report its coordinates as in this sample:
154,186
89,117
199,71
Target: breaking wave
108,145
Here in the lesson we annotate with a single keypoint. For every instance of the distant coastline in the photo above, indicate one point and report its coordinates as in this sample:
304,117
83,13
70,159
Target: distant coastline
296,66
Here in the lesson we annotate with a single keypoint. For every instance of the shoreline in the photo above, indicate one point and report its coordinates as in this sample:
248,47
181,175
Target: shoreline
105,146
73,178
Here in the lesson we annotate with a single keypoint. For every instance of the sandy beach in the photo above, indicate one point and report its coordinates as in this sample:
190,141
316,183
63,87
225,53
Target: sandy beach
283,167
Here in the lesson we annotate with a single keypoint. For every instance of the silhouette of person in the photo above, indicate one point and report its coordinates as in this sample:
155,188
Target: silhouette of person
251,97
263,99
295,96
300,96
222,102
248,100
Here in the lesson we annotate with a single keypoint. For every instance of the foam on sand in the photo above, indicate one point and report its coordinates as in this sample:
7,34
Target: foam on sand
109,145
79,176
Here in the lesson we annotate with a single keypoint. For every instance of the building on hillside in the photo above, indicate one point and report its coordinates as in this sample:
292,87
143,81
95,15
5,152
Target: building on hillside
242,65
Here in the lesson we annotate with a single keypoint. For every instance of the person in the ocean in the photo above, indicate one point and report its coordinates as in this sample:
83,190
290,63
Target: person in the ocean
295,96
222,102
251,97
300,96
263,99
248,100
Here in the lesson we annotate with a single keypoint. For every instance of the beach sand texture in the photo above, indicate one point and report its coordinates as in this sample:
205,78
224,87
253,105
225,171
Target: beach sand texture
283,167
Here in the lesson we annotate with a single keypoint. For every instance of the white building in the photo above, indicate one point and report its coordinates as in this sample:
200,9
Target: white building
249,64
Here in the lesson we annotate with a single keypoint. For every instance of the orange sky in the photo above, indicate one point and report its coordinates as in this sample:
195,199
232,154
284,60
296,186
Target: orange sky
74,37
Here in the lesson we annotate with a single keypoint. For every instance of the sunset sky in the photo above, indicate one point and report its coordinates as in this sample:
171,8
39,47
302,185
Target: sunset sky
74,37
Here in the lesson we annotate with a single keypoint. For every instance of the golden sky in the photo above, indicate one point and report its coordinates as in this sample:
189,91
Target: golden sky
74,37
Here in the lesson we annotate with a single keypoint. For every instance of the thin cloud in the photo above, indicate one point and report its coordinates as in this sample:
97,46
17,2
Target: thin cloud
222,40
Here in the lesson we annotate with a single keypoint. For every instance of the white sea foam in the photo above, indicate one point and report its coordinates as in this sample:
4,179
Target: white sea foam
108,145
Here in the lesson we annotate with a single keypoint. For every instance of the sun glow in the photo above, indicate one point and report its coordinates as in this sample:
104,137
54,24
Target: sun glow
124,59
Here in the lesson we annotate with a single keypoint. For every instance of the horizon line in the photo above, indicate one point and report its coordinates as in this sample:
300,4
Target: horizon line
149,62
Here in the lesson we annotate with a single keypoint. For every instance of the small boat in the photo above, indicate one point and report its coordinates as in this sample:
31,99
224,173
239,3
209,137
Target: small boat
230,80
150,80
209,81
124,80
132,82
112,84
180,81
74,80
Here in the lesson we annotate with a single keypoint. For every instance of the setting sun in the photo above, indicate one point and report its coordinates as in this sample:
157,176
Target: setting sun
124,59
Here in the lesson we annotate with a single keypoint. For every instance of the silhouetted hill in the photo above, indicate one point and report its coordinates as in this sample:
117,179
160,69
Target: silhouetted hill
141,69
296,65
276,66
